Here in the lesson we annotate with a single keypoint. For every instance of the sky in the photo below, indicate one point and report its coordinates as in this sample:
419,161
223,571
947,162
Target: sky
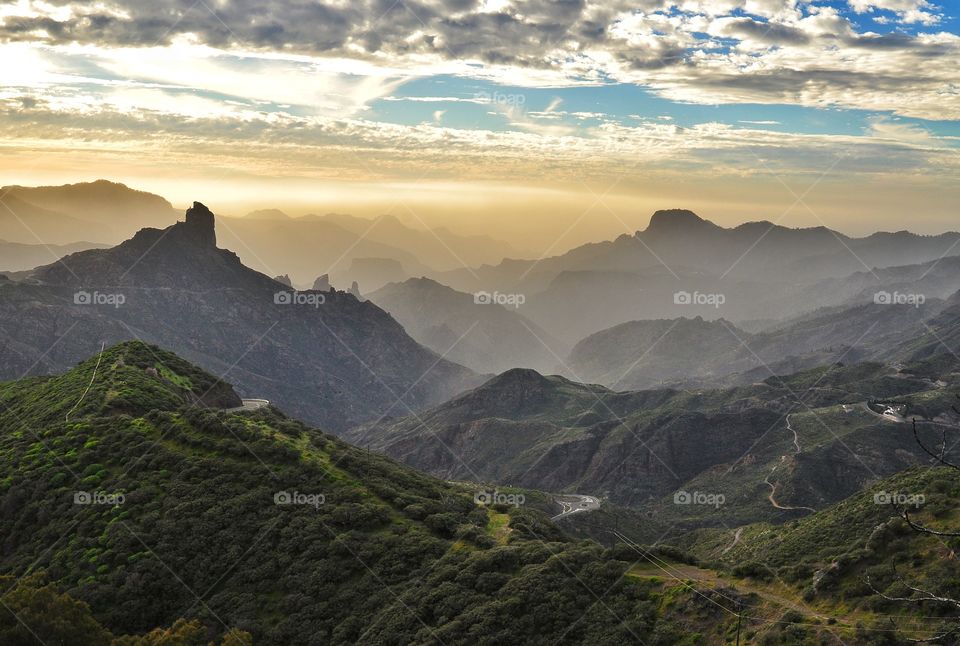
545,122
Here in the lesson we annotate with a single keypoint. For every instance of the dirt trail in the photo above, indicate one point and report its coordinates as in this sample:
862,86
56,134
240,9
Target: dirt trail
698,575
736,540
796,438
93,378
773,490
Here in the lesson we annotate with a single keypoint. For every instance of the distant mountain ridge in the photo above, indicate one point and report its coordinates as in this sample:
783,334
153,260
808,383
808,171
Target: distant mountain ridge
485,336
697,353
268,240
372,252
761,269
15,256
100,211
675,240
748,247
644,354
24,223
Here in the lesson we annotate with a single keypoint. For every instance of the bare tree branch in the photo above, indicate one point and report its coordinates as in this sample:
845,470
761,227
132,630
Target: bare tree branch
924,597
904,514
939,457
919,595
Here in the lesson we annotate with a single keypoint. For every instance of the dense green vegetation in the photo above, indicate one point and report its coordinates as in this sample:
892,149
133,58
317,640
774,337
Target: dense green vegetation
136,514
34,611
181,530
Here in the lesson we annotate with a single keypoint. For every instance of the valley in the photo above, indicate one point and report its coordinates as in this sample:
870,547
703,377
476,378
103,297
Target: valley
464,459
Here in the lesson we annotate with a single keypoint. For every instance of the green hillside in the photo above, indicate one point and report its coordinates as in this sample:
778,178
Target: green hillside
836,561
125,490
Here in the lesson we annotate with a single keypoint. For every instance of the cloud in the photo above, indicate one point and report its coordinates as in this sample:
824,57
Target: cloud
886,129
908,11
437,99
765,33
335,57
275,144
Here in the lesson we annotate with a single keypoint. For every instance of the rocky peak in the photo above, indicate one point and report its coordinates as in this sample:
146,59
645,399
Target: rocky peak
322,283
355,290
668,221
201,225
518,391
285,279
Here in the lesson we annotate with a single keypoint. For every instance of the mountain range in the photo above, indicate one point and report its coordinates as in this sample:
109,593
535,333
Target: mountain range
372,252
695,352
734,449
263,530
100,211
250,527
16,257
817,433
683,265
326,356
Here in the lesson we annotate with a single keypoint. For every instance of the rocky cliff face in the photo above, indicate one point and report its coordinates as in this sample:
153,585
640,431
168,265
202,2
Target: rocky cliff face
200,226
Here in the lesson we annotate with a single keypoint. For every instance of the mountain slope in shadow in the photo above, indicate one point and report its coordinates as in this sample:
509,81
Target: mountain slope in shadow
327,357
485,336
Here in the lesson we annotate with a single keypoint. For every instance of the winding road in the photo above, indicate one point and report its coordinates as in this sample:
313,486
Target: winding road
573,504
249,404
890,418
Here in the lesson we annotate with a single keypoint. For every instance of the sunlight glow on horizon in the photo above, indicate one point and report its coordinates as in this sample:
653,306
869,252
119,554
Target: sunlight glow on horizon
732,113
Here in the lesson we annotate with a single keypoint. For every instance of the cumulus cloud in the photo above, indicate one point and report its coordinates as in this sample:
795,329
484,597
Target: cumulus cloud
883,128
908,11
701,50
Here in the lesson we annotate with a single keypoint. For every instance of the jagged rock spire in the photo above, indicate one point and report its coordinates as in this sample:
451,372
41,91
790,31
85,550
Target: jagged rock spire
200,222
322,283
